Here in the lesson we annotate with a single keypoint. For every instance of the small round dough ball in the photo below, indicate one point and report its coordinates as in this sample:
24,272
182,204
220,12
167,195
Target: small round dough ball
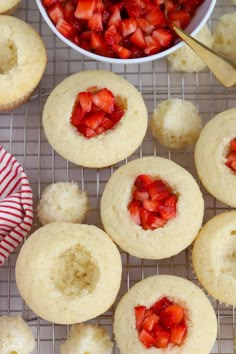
184,59
15,336
225,36
176,123
62,201
89,339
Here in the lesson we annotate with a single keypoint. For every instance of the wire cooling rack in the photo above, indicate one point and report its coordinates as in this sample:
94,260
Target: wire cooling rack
21,134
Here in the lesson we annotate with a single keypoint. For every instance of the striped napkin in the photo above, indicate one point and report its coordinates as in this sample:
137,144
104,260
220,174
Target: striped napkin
16,204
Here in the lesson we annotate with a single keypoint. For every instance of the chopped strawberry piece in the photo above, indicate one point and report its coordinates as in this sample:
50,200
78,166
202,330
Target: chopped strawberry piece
180,18
77,115
149,322
95,22
87,132
55,12
135,8
121,51
151,205
85,9
64,27
47,3
161,305
85,99
171,315
155,221
141,196
233,145
128,26
75,38
139,316
171,6
146,338
162,336
99,6
164,36
112,36
178,333
97,41
145,25
69,10
149,312
171,201
117,113
107,123
105,100
134,210
94,119
115,18
231,156
145,214
158,190
233,166
167,212
152,45
156,17
100,130
142,182
137,38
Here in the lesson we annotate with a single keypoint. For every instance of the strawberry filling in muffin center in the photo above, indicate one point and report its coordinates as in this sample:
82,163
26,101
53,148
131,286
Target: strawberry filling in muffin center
153,202
96,111
162,324
231,156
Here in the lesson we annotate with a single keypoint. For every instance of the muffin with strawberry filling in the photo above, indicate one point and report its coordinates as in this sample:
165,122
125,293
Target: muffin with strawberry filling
157,316
7,7
95,118
215,157
152,198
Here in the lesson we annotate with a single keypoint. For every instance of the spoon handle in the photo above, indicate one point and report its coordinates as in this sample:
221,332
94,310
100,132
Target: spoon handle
222,68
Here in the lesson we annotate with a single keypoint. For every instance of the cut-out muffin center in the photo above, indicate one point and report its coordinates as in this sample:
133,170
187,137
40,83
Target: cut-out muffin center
231,156
8,56
75,272
162,324
97,110
153,202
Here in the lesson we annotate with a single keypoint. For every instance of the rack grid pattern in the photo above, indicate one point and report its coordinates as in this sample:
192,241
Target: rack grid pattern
21,134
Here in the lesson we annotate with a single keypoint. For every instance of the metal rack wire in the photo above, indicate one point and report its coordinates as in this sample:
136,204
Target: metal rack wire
21,134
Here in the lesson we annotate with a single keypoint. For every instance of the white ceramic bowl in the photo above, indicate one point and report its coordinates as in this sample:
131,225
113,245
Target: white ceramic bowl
202,14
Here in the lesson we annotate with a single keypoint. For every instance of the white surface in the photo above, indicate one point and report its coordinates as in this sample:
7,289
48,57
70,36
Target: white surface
21,133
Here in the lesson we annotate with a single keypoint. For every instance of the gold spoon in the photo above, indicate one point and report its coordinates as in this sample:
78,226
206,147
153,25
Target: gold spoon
223,68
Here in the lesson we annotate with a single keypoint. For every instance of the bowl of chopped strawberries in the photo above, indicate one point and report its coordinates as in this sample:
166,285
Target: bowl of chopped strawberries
124,31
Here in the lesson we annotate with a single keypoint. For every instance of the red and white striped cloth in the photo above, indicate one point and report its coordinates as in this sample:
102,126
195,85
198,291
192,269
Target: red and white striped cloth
16,204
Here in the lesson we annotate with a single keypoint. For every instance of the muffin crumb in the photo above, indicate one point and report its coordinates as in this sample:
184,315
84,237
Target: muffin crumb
62,201
87,339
